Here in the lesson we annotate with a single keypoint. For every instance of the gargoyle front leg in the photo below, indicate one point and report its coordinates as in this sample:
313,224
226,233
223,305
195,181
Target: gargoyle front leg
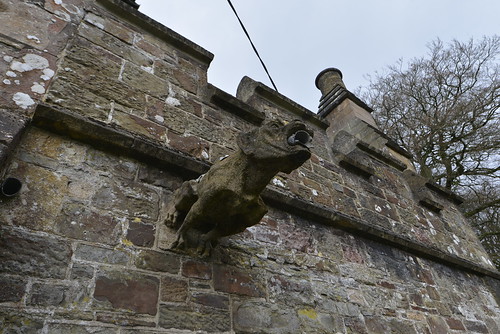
207,242
193,217
182,201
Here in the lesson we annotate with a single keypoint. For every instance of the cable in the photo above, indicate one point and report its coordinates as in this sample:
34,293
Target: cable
253,46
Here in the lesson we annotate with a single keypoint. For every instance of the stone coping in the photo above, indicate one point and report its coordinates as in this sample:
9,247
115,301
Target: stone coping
248,87
235,106
105,137
127,12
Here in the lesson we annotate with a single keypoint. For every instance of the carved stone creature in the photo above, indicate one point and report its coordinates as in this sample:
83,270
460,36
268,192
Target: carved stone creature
226,200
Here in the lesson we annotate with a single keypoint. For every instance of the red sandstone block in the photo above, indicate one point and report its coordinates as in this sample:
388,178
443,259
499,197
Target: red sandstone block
455,324
127,291
199,270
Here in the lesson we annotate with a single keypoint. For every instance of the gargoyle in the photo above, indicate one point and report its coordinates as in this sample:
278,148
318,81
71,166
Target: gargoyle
226,200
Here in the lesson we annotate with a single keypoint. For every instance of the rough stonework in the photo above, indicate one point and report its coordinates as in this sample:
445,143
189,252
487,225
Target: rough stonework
105,113
226,200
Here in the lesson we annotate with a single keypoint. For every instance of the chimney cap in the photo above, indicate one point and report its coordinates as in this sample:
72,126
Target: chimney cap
330,69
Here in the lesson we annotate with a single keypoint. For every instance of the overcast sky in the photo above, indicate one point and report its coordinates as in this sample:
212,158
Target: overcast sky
297,39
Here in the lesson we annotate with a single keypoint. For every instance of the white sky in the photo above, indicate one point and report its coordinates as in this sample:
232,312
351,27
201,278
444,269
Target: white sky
297,39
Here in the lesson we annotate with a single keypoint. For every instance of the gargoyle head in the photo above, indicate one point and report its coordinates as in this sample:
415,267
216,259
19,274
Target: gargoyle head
278,144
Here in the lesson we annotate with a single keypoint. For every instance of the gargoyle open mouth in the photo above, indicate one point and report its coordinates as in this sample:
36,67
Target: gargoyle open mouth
301,137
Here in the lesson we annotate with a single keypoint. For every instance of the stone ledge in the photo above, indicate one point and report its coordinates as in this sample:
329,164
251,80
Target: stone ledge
122,9
231,104
248,87
355,166
12,127
381,155
102,136
444,192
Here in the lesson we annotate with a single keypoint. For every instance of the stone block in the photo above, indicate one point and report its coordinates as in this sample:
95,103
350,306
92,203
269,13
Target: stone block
80,222
235,281
101,255
114,45
112,27
476,326
105,163
139,78
27,254
127,291
189,144
173,290
141,234
123,320
12,288
158,261
55,328
195,269
129,198
437,325
139,126
211,300
39,201
58,295
81,271
455,324
290,290
260,317
17,322
194,319
158,177
294,237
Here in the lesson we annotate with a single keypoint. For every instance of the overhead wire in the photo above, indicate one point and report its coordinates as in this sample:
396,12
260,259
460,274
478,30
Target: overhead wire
253,46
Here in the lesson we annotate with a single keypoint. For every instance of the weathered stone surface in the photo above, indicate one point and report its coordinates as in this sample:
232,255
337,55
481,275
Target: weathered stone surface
157,177
79,222
156,261
39,200
101,255
14,322
173,289
131,199
290,291
12,288
211,300
128,320
195,269
49,294
82,271
141,234
230,280
194,319
80,329
126,290
259,317
27,254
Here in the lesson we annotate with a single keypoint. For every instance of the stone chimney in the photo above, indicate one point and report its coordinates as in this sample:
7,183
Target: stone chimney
350,117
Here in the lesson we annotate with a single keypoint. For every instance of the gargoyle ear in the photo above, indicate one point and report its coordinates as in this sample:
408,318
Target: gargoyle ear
246,142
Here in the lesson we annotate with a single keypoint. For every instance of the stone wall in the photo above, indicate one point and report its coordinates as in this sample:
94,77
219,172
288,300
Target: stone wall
104,112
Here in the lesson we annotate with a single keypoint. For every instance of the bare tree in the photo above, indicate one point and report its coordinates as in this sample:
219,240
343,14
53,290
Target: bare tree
444,109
